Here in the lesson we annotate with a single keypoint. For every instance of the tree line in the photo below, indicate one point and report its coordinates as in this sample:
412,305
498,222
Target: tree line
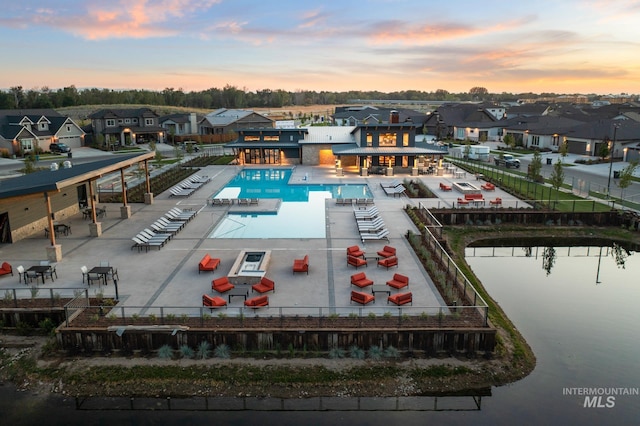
229,97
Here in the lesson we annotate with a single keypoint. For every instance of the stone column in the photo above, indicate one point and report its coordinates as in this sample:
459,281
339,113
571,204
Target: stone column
148,198
95,229
54,253
125,212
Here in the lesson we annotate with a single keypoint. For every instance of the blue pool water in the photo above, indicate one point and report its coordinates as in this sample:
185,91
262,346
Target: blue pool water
301,213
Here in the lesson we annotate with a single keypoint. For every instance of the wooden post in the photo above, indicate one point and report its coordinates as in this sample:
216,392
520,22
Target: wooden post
123,184
52,233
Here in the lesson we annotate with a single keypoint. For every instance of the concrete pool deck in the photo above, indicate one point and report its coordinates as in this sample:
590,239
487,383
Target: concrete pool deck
169,277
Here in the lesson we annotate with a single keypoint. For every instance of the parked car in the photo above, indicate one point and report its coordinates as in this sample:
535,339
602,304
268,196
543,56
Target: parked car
59,147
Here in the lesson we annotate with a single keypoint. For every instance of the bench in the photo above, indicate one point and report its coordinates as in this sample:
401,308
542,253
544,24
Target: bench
444,187
400,298
301,265
208,264
257,302
221,285
462,201
388,262
362,298
398,281
360,280
356,261
474,198
213,301
488,186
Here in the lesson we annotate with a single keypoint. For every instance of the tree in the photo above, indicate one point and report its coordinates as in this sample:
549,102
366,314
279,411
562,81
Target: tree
626,177
509,141
478,93
564,150
467,150
535,167
557,177
603,149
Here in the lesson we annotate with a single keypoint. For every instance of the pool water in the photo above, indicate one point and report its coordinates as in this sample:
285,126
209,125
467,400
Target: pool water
301,213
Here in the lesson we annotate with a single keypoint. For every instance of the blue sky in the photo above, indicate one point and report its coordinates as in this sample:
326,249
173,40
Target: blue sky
587,46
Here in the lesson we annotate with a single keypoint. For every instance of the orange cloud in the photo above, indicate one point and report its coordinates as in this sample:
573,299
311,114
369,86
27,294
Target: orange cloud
127,18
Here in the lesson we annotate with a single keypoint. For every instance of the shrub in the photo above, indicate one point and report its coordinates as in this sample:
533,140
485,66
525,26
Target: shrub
356,352
165,352
375,353
391,352
222,351
336,353
204,350
186,352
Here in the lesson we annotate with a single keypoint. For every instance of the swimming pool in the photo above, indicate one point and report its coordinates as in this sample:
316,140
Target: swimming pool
301,213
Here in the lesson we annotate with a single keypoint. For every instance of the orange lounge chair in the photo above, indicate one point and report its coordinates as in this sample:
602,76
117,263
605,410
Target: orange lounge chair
301,265
360,280
387,251
6,269
388,262
400,298
355,251
264,286
221,285
496,202
362,298
257,302
213,302
356,261
208,264
462,201
398,281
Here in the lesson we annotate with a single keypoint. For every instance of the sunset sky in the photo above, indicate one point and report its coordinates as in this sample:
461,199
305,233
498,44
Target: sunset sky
568,46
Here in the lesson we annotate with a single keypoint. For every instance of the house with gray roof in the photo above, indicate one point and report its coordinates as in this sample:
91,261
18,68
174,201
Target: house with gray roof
34,130
127,126
180,124
223,121
465,121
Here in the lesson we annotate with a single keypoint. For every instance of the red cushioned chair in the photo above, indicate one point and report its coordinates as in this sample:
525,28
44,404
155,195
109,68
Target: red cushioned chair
264,286
221,285
398,281
360,280
301,265
213,302
356,261
388,262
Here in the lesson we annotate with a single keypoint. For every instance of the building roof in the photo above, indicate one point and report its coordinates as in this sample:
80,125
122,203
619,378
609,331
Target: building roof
122,113
419,149
224,116
329,134
54,181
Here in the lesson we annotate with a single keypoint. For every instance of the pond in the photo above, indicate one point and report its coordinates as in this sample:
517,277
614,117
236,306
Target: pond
576,307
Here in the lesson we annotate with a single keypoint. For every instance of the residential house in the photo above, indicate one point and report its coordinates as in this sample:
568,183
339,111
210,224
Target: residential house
466,121
542,132
225,121
268,146
180,125
355,115
33,130
127,126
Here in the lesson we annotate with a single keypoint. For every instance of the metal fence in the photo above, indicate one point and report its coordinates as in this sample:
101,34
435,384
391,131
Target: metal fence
453,271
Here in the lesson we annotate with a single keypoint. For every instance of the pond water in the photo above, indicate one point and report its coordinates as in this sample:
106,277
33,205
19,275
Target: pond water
576,306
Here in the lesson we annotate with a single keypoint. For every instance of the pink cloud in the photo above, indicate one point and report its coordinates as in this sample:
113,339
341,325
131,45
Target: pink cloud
126,18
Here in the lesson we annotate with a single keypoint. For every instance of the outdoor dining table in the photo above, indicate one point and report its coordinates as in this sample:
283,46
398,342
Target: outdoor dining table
103,271
39,270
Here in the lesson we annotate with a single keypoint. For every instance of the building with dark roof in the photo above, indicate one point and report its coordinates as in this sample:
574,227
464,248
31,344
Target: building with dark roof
126,126
31,203
34,130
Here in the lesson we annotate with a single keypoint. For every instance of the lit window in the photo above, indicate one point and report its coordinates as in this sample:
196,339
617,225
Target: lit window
387,139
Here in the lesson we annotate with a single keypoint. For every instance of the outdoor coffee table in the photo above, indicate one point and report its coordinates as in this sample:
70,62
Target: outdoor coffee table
39,270
380,288
244,292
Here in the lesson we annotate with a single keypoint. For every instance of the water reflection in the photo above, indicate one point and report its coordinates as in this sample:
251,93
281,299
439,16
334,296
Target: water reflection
549,253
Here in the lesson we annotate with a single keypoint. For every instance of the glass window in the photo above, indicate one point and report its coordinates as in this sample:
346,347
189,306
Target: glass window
27,144
369,139
387,139
110,122
148,121
405,139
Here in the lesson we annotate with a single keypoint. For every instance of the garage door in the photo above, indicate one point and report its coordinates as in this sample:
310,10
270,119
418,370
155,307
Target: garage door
71,141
